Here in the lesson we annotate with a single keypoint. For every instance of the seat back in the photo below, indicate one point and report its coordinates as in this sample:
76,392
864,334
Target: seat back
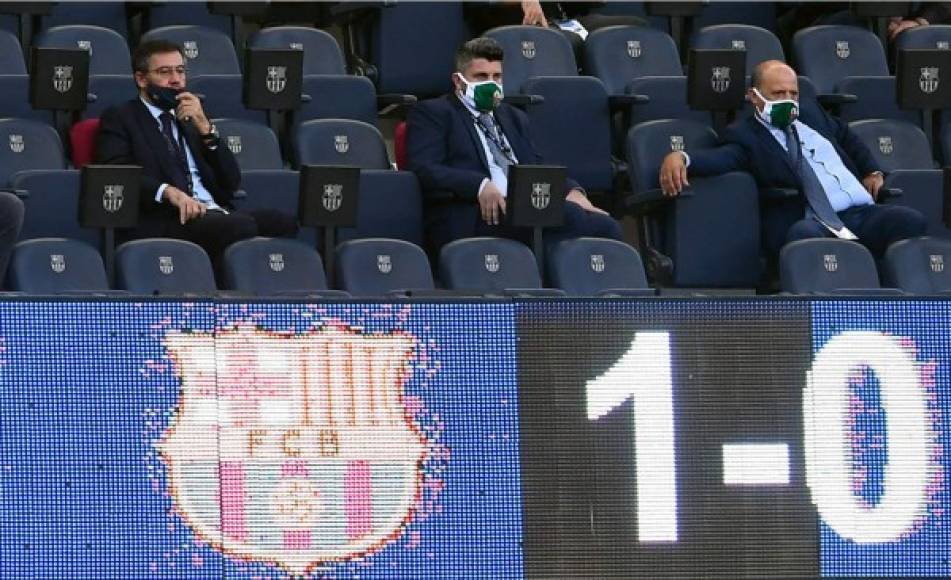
276,189
222,97
572,127
922,190
390,206
589,266
108,51
376,266
826,265
876,100
933,36
668,100
51,206
11,54
55,265
163,14
207,51
761,14
487,265
164,266
29,145
107,91
531,51
82,142
340,142
917,265
619,54
254,145
337,97
322,54
649,142
760,44
15,99
894,144
269,266
828,54
109,15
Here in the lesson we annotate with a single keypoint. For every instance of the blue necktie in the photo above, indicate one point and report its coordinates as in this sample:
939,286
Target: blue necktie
494,138
176,151
811,187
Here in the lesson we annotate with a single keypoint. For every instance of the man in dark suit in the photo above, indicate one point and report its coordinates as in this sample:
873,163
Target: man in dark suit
811,152
188,177
461,145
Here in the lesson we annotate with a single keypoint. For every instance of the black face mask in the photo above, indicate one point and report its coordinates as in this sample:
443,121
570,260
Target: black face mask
163,97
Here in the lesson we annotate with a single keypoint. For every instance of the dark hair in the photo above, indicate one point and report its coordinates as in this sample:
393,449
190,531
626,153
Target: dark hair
482,47
145,50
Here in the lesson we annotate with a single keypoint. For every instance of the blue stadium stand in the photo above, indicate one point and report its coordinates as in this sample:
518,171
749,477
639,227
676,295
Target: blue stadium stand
164,266
381,266
56,266
919,266
597,267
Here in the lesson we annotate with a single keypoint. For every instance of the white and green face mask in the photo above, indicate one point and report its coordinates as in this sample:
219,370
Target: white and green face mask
483,95
780,113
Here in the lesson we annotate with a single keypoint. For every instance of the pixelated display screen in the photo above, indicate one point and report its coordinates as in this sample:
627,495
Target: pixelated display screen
678,438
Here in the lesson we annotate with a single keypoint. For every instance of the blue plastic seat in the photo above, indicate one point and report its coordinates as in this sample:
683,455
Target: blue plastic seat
55,266
596,266
488,265
379,266
894,144
108,51
337,97
274,266
531,51
875,100
918,265
11,55
760,44
163,14
828,54
207,51
28,145
109,15
15,99
222,97
933,36
668,100
164,266
322,55
828,266
340,142
254,145
51,202
619,54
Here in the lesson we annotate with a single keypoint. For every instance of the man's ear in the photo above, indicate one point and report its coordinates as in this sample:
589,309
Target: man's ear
456,83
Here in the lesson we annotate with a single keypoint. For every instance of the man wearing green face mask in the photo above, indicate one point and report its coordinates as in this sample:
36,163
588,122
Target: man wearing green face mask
461,145
788,144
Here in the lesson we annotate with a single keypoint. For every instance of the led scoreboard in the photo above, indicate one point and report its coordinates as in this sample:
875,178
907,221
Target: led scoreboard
648,438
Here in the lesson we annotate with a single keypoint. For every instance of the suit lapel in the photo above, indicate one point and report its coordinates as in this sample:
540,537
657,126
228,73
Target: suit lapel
769,142
469,123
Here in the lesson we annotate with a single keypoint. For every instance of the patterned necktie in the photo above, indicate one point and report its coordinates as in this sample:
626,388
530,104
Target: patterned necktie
811,187
494,139
174,149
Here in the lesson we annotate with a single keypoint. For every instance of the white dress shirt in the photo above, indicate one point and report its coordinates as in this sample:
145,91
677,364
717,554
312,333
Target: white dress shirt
496,172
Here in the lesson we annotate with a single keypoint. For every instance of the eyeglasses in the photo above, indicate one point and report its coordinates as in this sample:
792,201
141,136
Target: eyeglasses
167,71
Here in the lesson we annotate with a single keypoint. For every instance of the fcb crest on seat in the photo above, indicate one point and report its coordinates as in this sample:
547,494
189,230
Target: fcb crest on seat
296,46
191,48
830,262
541,195
17,145
308,464
492,263
634,48
341,143
58,263
85,45
332,198
936,261
738,44
842,49
528,49
676,142
275,262
234,143
384,263
165,265
885,145
597,262
942,45
928,81
112,197
720,78
62,78
276,79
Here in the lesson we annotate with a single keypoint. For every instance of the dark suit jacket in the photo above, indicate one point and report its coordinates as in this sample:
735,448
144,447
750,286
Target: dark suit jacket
128,134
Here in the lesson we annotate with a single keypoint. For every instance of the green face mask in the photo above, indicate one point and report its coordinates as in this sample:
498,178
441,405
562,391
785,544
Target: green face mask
483,96
779,114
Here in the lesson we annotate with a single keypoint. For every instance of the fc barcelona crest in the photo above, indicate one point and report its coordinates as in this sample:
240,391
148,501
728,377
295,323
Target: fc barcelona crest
541,195
276,78
234,143
16,143
191,48
885,145
275,262
332,197
492,263
842,49
341,144
58,263
937,263
308,464
112,197
296,46
85,45
597,263
676,142
928,81
634,48
943,45
738,44
165,265
384,263
62,78
720,81
830,262
528,49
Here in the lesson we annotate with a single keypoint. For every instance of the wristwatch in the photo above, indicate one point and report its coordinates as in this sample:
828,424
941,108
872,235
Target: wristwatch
211,137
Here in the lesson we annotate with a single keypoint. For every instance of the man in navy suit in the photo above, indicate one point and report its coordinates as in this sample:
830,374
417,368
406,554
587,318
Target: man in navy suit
811,152
188,177
460,147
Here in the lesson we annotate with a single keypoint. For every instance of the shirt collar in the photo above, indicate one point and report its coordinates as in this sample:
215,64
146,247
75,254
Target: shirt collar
472,110
153,110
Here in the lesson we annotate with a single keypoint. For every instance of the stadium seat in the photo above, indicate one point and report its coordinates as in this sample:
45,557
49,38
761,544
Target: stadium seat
340,142
917,266
760,14
380,266
51,203
274,266
531,51
390,206
28,145
923,190
760,44
207,51
619,54
164,266
82,141
491,265
56,265
337,97
107,91
829,266
165,14
322,55
11,55
828,54
15,99
894,144
933,36
275,189
108,51
254,145
875,99
668,100
222,96
108,15
597,267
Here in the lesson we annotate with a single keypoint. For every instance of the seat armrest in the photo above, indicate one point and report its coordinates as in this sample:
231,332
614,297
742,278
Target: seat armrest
828,99
523,100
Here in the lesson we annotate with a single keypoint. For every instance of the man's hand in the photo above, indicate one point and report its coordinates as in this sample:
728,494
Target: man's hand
575,196
189,208
896,27
491,204
673,174
533,14
873,182
189,109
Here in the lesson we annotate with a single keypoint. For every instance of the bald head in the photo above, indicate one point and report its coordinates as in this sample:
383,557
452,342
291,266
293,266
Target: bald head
767,70
775,80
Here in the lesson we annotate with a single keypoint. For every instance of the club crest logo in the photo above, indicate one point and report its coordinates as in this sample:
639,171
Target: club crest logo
332,197
885,145
341,144
191,48
842,49
942,45
937,263
165,265
234,143
928,81
597,262
295,465
492,263
17,145
830,262
720,81
541,195
62,78
384,264
634,48
276,262
85,45
528,49
676,142
296,46
112,197
276,79
58,263
738,44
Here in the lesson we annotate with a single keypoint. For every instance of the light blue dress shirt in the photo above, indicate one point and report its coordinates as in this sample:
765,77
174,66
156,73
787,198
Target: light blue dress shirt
496,172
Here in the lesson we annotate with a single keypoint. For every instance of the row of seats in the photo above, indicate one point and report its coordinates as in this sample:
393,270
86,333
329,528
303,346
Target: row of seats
366,267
